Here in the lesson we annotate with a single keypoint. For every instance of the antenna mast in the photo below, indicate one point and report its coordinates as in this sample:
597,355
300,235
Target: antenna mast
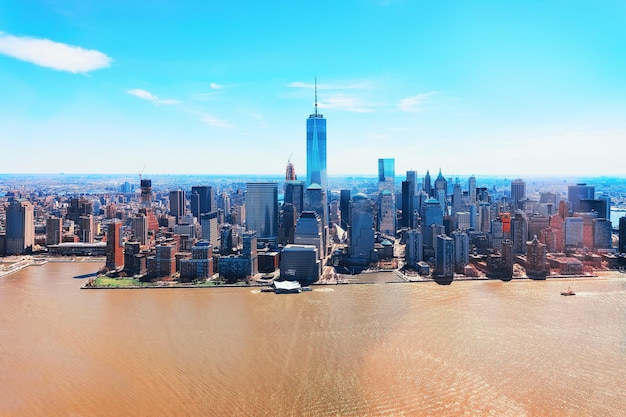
316,96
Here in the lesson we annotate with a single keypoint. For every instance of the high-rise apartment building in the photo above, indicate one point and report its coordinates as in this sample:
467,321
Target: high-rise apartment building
444,257
20,227
262,210
115,245
54,231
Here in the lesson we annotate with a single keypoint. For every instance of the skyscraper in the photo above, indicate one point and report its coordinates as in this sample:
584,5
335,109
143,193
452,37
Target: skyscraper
361,229
206,200
518,193
115,245
316,148
577,192
262,209
177,204
20,227
387,195
471,189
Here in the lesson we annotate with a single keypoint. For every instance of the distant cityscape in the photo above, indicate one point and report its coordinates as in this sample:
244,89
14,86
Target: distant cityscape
221,230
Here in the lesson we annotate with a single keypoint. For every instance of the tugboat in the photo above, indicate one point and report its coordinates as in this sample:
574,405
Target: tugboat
568,292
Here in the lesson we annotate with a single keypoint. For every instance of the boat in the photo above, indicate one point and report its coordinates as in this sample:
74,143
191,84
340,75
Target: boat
568,292
287,287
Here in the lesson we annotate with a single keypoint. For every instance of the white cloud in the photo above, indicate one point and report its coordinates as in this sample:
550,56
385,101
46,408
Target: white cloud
413,104
216,86
260,119
348,85
214,121
347,103
146,95
55,55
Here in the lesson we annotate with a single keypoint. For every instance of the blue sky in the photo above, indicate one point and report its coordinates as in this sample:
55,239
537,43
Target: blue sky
184,87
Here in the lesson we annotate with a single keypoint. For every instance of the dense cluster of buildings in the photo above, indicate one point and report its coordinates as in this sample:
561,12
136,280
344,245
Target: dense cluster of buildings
299,226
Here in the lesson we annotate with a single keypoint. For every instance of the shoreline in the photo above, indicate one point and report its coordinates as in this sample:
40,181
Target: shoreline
161,285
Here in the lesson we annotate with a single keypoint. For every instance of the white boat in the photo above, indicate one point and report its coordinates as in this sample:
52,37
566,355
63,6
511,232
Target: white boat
287,287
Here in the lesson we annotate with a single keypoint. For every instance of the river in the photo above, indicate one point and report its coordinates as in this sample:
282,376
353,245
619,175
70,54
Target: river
471,348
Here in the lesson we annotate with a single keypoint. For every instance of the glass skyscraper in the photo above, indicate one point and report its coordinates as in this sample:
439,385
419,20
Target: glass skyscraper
316,149
262,209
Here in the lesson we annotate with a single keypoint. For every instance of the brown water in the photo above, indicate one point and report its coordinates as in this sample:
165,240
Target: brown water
471,348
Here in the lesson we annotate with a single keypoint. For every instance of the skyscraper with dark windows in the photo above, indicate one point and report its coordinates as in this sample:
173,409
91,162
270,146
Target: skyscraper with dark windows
577,192
518,193
262,210
206,200
177,204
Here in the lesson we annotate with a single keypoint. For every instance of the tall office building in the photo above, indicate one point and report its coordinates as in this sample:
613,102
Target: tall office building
471,189
408,201
519,232
316,148
602,234
361,229
206,200
461,250
294,194
577,192
309,231
387,195
386,174
441,184
344,208
518,193
430,215
20,227
262,210
177,204
427,187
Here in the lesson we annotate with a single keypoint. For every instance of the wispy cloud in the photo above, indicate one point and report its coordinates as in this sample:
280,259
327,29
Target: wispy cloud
216,86
146,95
50,54
214,121
346,85
347,103
260,119
414,103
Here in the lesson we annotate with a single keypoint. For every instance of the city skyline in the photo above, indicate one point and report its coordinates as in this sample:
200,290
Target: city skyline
484,88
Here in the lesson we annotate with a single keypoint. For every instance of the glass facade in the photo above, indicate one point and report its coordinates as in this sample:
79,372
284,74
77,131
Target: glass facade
262,209
316,151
